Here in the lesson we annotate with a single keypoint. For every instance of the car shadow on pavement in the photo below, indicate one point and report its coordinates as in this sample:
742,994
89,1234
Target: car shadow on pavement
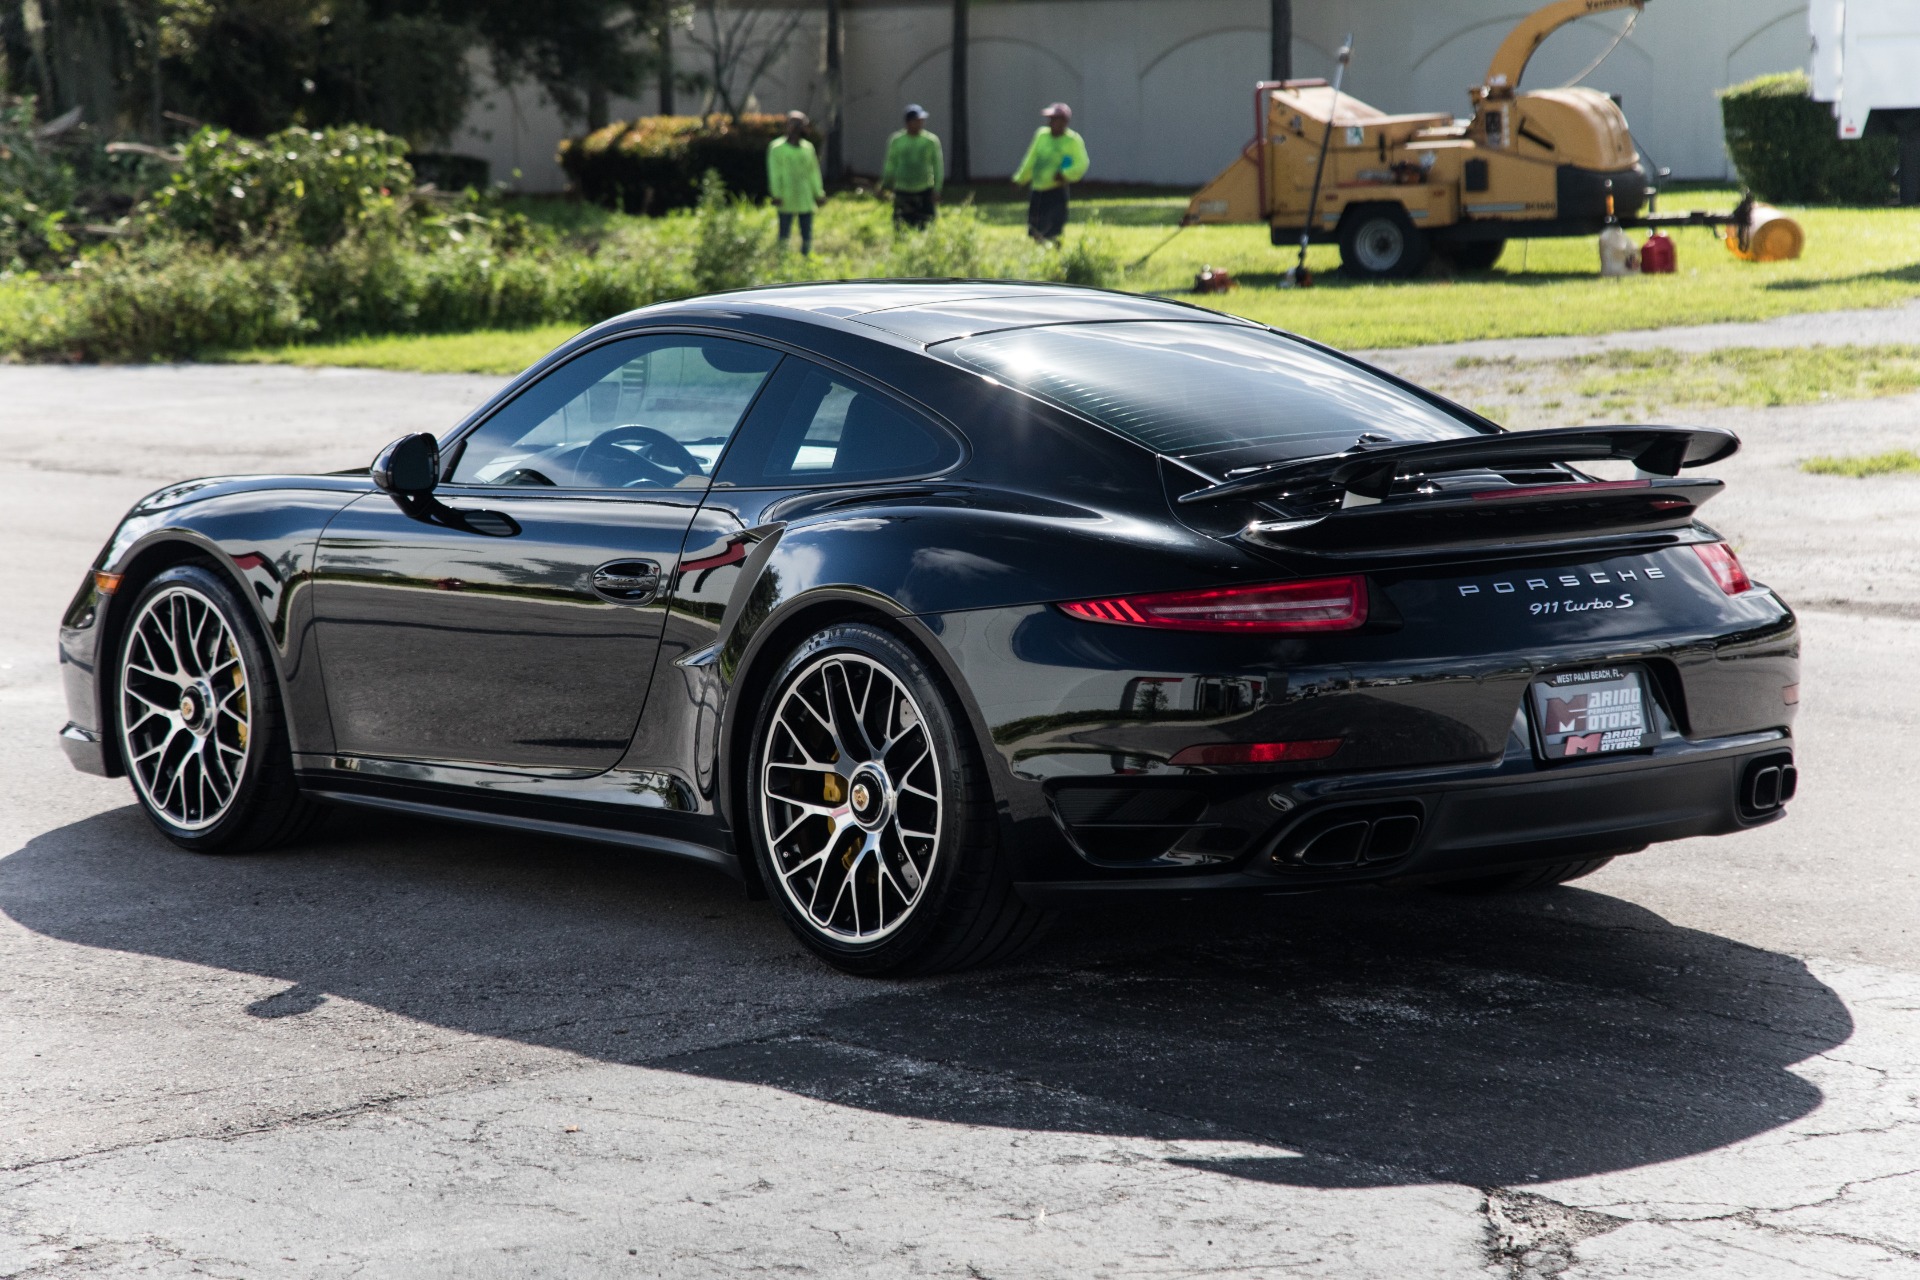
1365,1039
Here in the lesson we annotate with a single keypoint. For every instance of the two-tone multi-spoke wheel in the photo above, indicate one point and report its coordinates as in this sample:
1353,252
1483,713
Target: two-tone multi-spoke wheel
873,825
850,797
183,708
202,737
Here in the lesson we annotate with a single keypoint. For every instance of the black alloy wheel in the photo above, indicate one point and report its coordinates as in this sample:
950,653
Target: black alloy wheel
201,730
1379,242
872,820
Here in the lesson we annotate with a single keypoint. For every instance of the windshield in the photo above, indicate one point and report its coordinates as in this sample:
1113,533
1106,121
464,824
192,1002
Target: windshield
1215,395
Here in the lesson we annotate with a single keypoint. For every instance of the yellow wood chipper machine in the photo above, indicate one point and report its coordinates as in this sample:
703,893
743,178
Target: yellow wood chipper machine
1398,188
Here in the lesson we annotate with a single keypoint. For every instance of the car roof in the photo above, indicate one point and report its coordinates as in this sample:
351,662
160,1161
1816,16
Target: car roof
930,311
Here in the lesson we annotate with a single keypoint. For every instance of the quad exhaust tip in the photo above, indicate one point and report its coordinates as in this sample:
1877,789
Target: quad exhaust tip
1351,836
1768,784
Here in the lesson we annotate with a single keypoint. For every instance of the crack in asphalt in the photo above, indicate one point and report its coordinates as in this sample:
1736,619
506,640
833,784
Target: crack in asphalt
1529,1236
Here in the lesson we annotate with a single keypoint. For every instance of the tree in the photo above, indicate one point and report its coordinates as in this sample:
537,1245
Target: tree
739,45
257,66
579,51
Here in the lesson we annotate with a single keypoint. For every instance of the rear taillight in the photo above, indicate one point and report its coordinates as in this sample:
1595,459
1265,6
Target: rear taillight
1257,752
1323,604
1724,566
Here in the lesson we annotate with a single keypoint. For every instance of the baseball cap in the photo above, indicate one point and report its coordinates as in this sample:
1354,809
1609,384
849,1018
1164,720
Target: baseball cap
801,116
916,112
1059,109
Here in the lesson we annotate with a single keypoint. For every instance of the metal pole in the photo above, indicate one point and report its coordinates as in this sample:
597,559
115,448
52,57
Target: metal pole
664,34
836,164
959,156
1282,39
1320,166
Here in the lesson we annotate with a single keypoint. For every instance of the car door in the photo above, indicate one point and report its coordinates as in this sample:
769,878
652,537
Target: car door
514,620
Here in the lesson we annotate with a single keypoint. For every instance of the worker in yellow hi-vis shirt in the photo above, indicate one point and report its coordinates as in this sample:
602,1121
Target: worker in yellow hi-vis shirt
1057,157
793,180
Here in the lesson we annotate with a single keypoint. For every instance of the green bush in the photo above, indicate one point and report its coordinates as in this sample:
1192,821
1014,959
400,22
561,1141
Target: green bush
175,302
37,188
655,164
310,187
731,246
1787,150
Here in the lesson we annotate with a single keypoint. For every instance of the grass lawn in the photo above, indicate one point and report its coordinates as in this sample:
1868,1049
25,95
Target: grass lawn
1855,258
485,351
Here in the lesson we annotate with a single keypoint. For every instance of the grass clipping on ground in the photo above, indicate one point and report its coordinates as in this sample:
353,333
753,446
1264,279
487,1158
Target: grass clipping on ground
1627,384
1860,466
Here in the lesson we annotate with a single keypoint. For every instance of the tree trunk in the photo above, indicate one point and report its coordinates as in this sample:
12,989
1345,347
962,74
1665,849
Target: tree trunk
1282,39
959,154
836,160
664,37
1909,131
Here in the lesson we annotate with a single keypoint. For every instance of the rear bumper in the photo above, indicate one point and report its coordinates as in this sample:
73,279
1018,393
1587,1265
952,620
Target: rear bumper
84,749
1476,820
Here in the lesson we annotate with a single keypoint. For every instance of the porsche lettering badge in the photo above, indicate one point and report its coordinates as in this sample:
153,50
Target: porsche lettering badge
1613,578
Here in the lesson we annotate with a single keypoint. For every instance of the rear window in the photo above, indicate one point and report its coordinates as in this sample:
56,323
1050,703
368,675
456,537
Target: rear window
1218,396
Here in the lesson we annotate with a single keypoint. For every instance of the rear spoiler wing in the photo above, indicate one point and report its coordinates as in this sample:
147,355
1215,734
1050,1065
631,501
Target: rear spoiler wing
1367,471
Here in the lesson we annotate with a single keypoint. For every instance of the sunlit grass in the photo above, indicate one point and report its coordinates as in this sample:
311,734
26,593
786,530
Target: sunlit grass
1855,257
484,351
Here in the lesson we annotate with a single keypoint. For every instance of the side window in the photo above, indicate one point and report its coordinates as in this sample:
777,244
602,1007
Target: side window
814,427
641,413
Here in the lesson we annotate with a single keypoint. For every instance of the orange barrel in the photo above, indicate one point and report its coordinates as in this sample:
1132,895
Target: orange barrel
1771,236
1657,256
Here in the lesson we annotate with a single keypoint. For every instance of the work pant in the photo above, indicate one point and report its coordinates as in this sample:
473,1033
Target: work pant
914,208
1047,213
806,230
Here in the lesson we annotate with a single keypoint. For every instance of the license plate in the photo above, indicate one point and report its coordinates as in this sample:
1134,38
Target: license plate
1592,713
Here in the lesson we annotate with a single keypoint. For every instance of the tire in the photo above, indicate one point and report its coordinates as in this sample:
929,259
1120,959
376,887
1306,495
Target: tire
1379,242
923,883
202,732
1474,255
1527,879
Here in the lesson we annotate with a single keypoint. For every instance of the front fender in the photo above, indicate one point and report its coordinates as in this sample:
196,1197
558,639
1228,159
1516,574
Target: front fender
258,531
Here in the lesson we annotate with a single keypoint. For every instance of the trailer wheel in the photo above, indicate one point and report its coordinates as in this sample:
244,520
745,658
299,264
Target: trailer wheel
1474,255
1380,242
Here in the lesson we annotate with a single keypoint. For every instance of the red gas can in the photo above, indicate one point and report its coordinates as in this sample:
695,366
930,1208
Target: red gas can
1656,255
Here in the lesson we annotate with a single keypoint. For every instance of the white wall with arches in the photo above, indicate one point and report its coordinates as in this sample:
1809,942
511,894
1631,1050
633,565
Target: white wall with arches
1162,88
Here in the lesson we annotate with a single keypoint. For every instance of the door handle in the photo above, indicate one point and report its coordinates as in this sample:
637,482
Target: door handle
627,581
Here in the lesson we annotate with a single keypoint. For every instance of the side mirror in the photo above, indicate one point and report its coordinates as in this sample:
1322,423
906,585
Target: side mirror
409,467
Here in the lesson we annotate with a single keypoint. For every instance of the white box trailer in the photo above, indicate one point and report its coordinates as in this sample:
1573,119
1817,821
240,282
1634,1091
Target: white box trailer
1866,62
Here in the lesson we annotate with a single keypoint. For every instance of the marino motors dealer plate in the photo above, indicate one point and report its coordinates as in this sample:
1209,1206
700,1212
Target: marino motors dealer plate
1592,713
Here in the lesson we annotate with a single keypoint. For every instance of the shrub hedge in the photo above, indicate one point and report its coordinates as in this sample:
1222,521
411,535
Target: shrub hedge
1787,150
654,164
313,187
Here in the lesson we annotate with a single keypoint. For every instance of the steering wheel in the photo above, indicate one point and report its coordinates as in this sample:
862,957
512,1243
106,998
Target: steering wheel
605,461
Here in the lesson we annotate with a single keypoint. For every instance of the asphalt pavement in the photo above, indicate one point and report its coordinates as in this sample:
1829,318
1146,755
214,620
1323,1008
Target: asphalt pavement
405,1048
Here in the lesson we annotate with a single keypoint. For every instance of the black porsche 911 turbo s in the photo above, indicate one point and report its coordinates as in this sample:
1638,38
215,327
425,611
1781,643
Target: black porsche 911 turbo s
927,607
